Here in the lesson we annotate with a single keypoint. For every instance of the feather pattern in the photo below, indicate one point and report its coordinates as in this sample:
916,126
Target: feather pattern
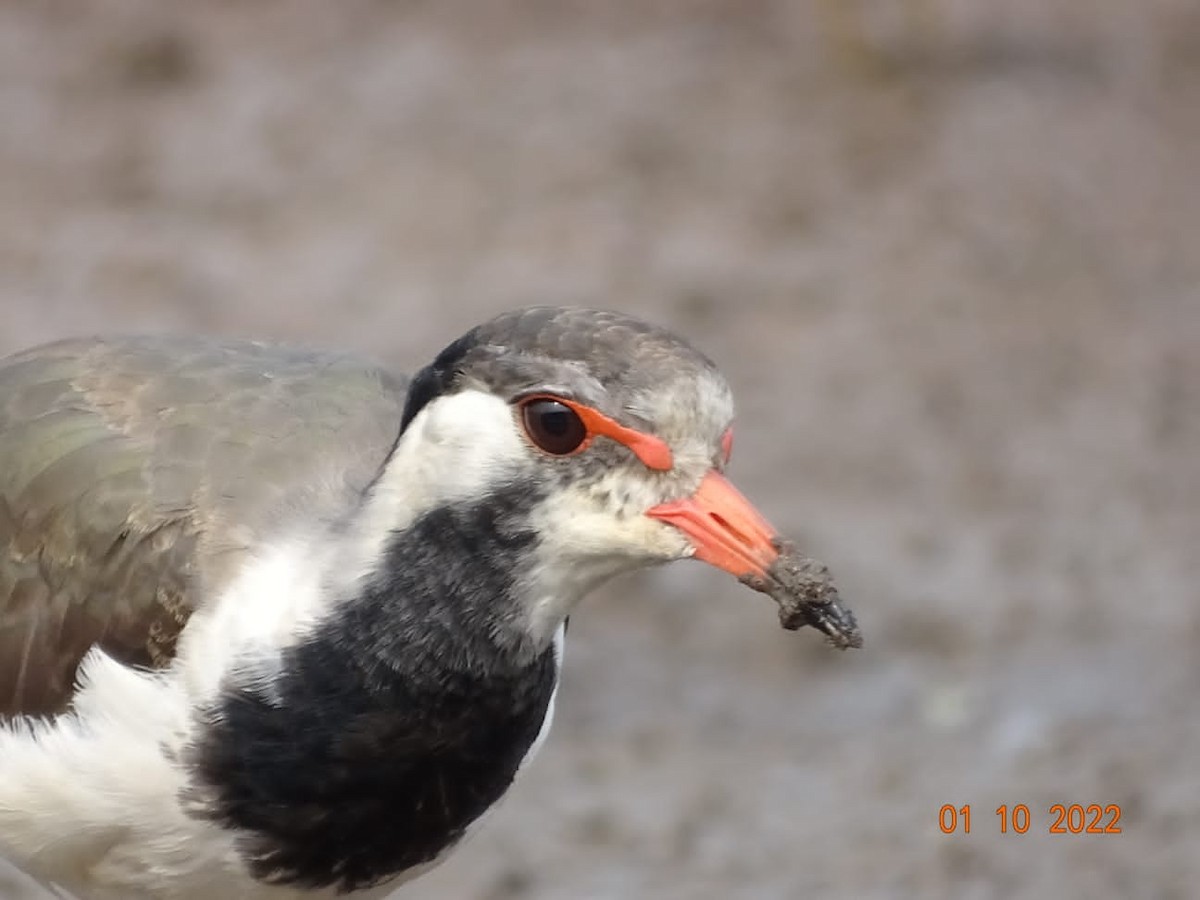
131,483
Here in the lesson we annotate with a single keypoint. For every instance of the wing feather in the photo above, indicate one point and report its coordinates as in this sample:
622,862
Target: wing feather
136,472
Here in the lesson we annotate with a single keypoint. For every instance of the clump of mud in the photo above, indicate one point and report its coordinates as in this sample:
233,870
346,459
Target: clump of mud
804,590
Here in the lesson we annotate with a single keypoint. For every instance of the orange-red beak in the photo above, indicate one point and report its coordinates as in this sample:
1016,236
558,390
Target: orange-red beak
727,531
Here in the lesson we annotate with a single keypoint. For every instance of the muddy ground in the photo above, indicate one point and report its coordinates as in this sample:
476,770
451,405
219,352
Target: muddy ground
947,254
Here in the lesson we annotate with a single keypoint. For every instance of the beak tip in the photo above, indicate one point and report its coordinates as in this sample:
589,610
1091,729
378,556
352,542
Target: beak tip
833,620
806,595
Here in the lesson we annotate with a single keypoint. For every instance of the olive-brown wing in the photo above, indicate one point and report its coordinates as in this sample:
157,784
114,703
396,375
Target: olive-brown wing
135,473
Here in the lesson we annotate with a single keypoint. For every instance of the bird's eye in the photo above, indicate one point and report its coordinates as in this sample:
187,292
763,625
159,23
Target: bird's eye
553,426
727,445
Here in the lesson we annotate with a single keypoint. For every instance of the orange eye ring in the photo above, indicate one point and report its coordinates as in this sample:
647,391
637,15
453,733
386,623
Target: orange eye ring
559,439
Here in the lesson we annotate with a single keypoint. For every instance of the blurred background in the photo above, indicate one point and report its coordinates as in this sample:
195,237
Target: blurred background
948,253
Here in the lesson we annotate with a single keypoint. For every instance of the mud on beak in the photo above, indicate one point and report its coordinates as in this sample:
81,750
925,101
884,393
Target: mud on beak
728,532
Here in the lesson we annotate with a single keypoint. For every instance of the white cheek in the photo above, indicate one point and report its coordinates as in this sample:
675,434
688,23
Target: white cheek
608,519
456,448
463,441
459,447
588,536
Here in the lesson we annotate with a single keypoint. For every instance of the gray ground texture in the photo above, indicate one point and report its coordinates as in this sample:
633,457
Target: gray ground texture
946,251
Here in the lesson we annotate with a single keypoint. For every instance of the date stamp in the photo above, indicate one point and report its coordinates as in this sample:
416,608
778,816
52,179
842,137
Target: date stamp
1060,818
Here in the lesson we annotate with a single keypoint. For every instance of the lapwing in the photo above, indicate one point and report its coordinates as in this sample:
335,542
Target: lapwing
278,623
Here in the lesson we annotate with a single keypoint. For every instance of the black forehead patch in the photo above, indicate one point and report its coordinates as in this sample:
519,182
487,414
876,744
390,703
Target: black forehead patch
623,353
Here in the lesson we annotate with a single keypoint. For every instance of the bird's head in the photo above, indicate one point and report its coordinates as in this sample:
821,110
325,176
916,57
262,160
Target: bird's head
607,437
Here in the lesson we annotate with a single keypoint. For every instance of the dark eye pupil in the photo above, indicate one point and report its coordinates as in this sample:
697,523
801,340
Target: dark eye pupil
556,423
553,426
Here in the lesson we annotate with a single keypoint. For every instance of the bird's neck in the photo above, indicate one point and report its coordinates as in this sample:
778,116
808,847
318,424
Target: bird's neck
456,541
397,720
452,586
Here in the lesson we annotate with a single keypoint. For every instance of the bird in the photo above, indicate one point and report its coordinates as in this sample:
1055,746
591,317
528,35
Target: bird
280,623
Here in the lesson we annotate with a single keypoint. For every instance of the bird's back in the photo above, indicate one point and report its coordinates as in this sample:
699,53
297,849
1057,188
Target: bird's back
136,472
